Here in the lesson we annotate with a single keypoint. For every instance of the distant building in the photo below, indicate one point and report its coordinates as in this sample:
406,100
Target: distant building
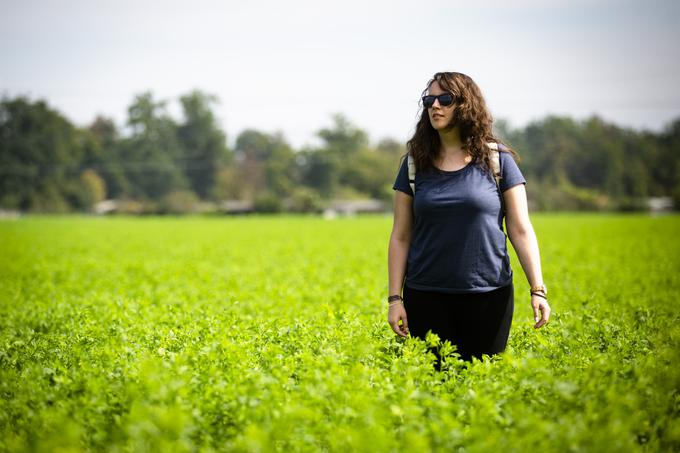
659,205
105,207
353,207
237,207
9,214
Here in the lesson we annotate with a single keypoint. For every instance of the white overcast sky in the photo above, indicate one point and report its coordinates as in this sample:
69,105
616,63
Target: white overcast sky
287,65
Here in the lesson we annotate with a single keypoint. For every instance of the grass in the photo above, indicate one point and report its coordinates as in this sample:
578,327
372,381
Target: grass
270,334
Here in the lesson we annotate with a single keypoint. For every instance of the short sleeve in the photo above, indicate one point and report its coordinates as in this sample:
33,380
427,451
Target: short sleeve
510,172
401,183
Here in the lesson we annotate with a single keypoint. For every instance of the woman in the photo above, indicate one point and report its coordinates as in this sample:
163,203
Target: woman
447,248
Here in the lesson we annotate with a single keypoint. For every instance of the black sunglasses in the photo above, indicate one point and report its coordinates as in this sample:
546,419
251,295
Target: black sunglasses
445,99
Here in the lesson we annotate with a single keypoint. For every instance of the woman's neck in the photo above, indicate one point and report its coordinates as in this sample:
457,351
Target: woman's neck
451,156
451,143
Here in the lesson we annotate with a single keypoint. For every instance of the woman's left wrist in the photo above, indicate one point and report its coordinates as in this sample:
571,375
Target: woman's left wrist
541,295
539,288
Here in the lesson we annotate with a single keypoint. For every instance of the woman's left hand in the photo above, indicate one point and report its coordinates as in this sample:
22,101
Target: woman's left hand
541,311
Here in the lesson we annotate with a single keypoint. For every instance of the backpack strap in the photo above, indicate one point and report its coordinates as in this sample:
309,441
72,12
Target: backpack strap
411,173
496,169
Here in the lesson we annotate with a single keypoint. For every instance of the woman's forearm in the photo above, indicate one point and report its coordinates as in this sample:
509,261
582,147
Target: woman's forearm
396,264
526,246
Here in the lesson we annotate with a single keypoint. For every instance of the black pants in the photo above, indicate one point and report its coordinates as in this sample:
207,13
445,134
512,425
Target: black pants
477,323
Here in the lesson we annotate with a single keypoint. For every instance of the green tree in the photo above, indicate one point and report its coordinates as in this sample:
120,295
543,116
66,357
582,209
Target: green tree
103,153
391,147
329,166
92,189
666,166
153,153
40,150
371,172
266,163
319,170
343,138
204,143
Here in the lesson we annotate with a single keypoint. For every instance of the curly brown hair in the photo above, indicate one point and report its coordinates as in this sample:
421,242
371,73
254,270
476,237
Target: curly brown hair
470,115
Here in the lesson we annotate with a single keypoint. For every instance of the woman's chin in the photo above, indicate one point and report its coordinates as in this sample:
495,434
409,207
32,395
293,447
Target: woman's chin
441,127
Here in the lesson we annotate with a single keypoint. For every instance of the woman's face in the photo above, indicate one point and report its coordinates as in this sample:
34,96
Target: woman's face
440,116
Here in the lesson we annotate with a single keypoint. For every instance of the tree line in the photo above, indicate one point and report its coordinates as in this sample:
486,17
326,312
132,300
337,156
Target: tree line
161,164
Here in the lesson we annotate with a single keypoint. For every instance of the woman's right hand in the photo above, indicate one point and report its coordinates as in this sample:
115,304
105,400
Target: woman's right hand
395,313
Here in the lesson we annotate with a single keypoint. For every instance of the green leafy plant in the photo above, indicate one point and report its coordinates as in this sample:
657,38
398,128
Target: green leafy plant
270,334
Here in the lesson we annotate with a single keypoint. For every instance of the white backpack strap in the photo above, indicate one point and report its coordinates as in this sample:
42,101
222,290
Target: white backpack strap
496,168
496,164
495,161
411,173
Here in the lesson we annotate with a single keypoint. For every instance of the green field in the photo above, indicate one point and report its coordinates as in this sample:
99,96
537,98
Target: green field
270,334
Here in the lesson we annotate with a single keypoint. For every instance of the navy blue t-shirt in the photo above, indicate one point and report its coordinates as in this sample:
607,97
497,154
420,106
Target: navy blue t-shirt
458,244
